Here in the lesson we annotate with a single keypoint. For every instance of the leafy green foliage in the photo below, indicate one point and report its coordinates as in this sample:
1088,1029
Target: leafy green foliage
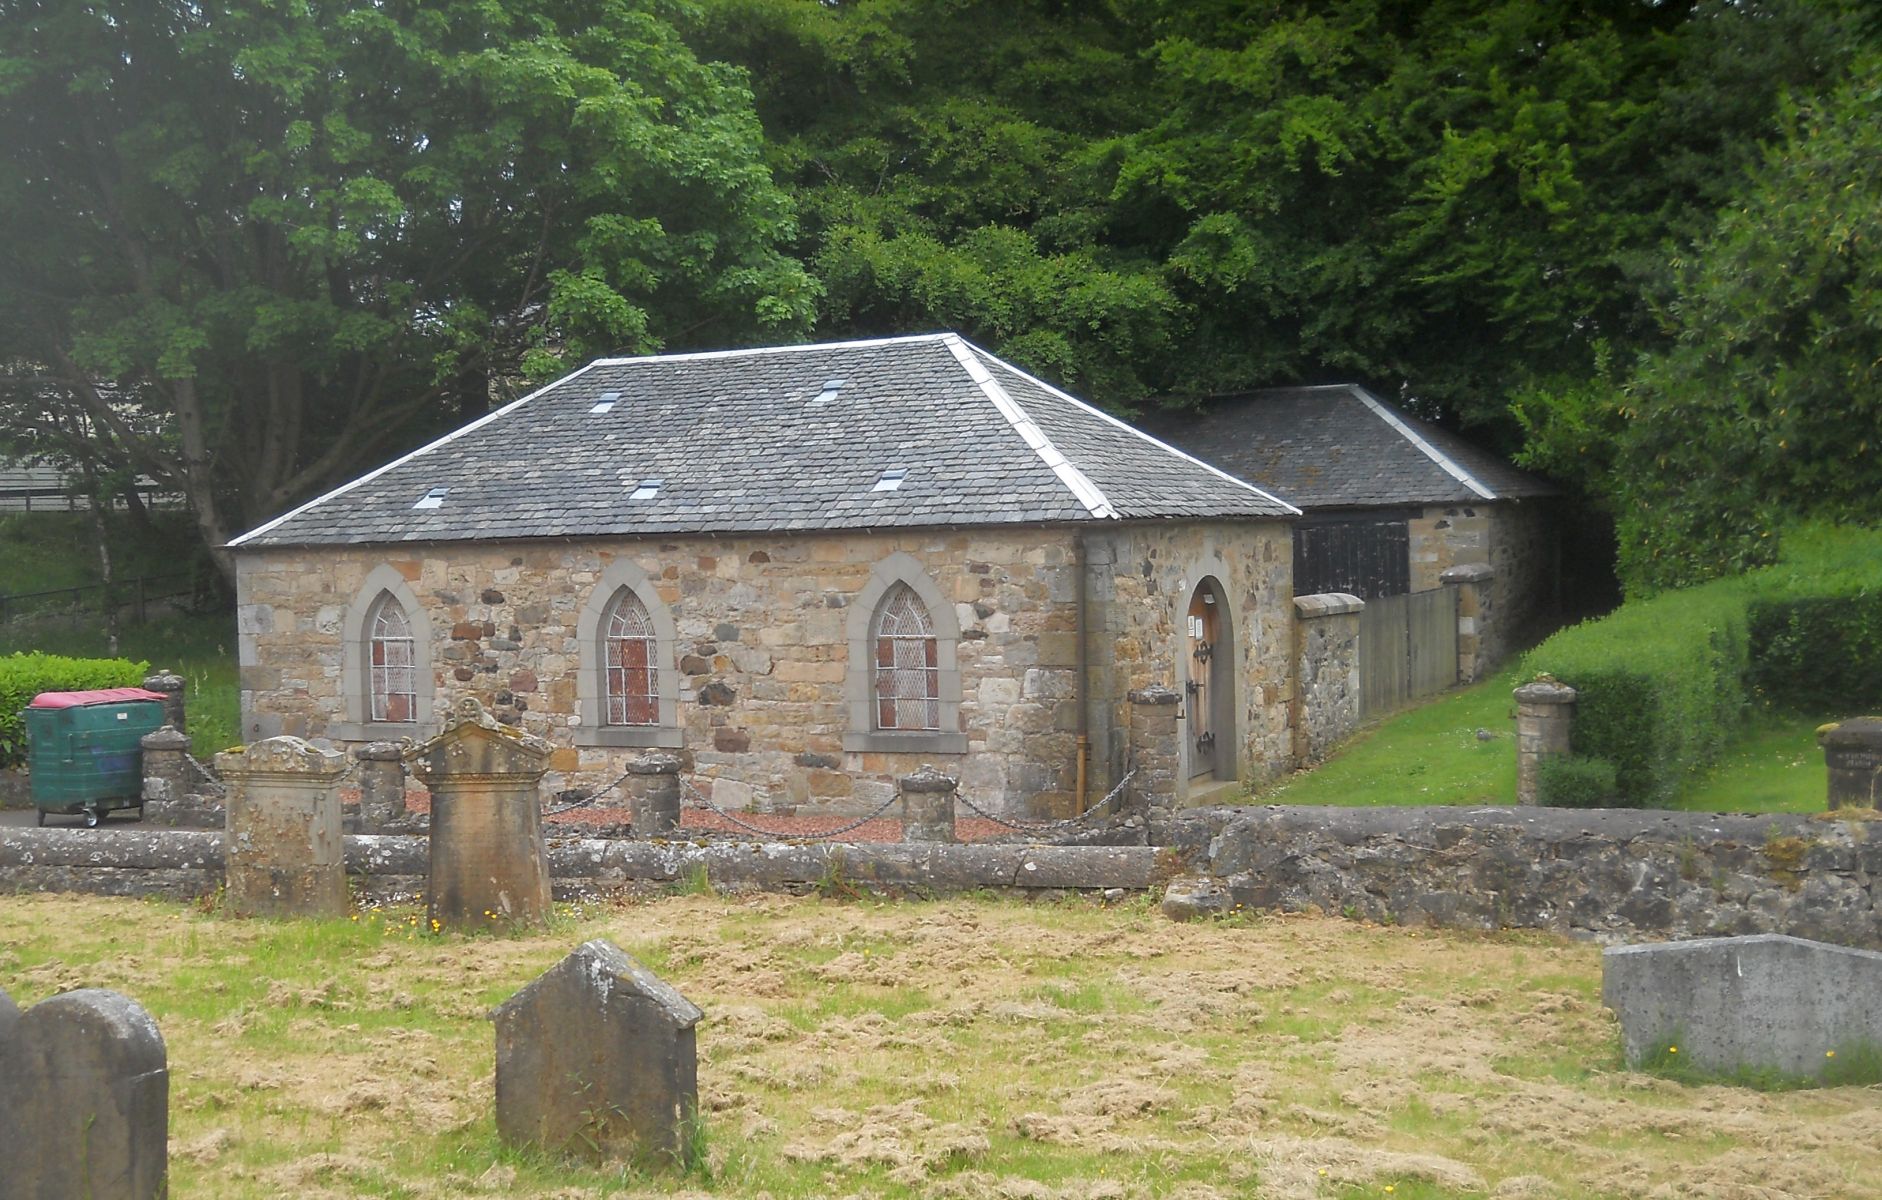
1665,682
1576,781
23,676
257,247
1767,403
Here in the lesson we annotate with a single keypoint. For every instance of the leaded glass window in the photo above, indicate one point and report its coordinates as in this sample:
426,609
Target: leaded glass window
392,670
633,676
908,677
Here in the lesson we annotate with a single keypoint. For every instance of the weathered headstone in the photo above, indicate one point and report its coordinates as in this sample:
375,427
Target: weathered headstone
1852,753
927,805
653,793
1767,1001
285,848
84,1099
488,861
597,1058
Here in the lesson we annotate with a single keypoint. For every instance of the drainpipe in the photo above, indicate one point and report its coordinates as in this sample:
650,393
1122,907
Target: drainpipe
1082,683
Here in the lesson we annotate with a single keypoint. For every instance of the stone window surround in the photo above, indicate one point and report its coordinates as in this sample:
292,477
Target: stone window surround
858,682
356,648
591,681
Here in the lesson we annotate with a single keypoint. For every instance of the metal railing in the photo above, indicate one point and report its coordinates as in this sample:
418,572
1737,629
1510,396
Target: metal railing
135,597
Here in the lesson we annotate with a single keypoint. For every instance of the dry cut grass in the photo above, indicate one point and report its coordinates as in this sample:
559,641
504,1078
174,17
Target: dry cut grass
962,1050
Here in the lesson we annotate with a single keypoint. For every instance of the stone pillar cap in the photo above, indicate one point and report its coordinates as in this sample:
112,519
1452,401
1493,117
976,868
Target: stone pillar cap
654,762
929,778
379,752
1156,693
1546,691
1327,604
164,681
1863,732
167,738
1468,573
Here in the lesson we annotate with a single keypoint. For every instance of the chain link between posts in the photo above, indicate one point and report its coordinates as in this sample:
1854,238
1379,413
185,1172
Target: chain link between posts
689,791
589,799
208,776
1037,826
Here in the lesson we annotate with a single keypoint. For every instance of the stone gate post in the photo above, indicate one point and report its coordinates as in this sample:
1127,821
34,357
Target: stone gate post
1545,713
285,851
1153,749
1477,646
381,785
1852,753
487,856
653,793
170,687
927,805
1326,672
166,765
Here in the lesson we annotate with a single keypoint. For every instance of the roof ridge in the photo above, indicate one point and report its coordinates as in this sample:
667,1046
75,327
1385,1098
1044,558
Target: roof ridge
1127,427
753,351
1392,418
400,461
1087,492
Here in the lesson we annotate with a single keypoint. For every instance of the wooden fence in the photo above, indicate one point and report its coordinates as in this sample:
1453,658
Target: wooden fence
135,598
1407,648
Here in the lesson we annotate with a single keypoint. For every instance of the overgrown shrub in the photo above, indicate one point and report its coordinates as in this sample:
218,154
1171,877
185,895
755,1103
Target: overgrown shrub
1661,683
1664,682
1577,781
23,676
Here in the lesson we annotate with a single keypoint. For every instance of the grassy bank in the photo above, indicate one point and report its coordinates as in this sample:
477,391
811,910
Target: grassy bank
963,1049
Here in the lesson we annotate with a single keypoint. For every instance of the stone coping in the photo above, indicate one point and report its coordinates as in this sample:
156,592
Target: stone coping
1327,604
1422,824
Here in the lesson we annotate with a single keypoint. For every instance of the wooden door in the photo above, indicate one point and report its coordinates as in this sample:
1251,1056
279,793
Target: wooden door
1204,624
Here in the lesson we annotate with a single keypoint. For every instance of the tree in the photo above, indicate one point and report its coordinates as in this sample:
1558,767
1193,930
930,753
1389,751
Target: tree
303,234
1767,403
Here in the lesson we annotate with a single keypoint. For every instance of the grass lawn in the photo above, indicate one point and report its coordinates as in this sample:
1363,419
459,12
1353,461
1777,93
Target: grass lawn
967,1049
1430,754
1433,754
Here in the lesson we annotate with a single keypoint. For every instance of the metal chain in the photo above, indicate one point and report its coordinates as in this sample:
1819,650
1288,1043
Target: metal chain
1035,826
209,777
585,801
687,789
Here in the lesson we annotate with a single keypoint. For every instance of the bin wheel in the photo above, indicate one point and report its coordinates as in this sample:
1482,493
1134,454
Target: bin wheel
94,817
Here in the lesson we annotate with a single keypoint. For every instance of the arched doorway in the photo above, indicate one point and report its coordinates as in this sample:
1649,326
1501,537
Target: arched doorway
1208,648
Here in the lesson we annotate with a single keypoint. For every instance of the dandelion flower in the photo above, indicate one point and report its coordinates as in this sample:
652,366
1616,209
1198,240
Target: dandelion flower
1829,1054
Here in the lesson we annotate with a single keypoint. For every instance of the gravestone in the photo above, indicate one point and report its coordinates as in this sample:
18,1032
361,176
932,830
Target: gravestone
597,1058
1764,1002
84,1099
488,861
1852,756
286,851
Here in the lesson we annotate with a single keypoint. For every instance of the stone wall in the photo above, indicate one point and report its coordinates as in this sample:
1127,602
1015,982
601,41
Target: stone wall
1142,579
1515,539
1613,873
1327,688
765,703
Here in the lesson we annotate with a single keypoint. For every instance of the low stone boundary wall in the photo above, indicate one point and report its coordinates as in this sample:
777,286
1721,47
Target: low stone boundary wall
1610,873
187,863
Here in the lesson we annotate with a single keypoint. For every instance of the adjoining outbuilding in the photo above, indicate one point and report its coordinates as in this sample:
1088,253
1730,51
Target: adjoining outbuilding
1390,502
808,570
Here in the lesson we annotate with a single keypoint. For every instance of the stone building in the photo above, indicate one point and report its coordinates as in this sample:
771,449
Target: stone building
806,569
1389,502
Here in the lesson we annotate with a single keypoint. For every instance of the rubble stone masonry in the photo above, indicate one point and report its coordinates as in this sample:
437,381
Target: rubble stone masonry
759,690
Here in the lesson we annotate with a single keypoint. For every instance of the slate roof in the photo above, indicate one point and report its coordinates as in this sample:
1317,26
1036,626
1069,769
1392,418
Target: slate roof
741,443
1339,446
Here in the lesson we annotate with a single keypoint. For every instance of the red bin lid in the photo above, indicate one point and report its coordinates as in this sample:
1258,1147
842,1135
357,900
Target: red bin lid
98,696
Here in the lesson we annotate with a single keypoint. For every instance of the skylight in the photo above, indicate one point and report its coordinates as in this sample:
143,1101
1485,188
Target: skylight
646,489
891,479
606,402
830,389
432,499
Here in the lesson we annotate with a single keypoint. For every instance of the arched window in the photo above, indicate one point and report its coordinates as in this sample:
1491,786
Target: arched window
908,665
631,663
391,663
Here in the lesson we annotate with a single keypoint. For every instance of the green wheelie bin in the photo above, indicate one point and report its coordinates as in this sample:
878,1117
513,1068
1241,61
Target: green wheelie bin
83,752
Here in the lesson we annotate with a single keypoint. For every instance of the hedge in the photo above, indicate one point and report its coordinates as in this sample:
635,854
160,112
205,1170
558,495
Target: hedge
23,676
1665,682
1576,781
